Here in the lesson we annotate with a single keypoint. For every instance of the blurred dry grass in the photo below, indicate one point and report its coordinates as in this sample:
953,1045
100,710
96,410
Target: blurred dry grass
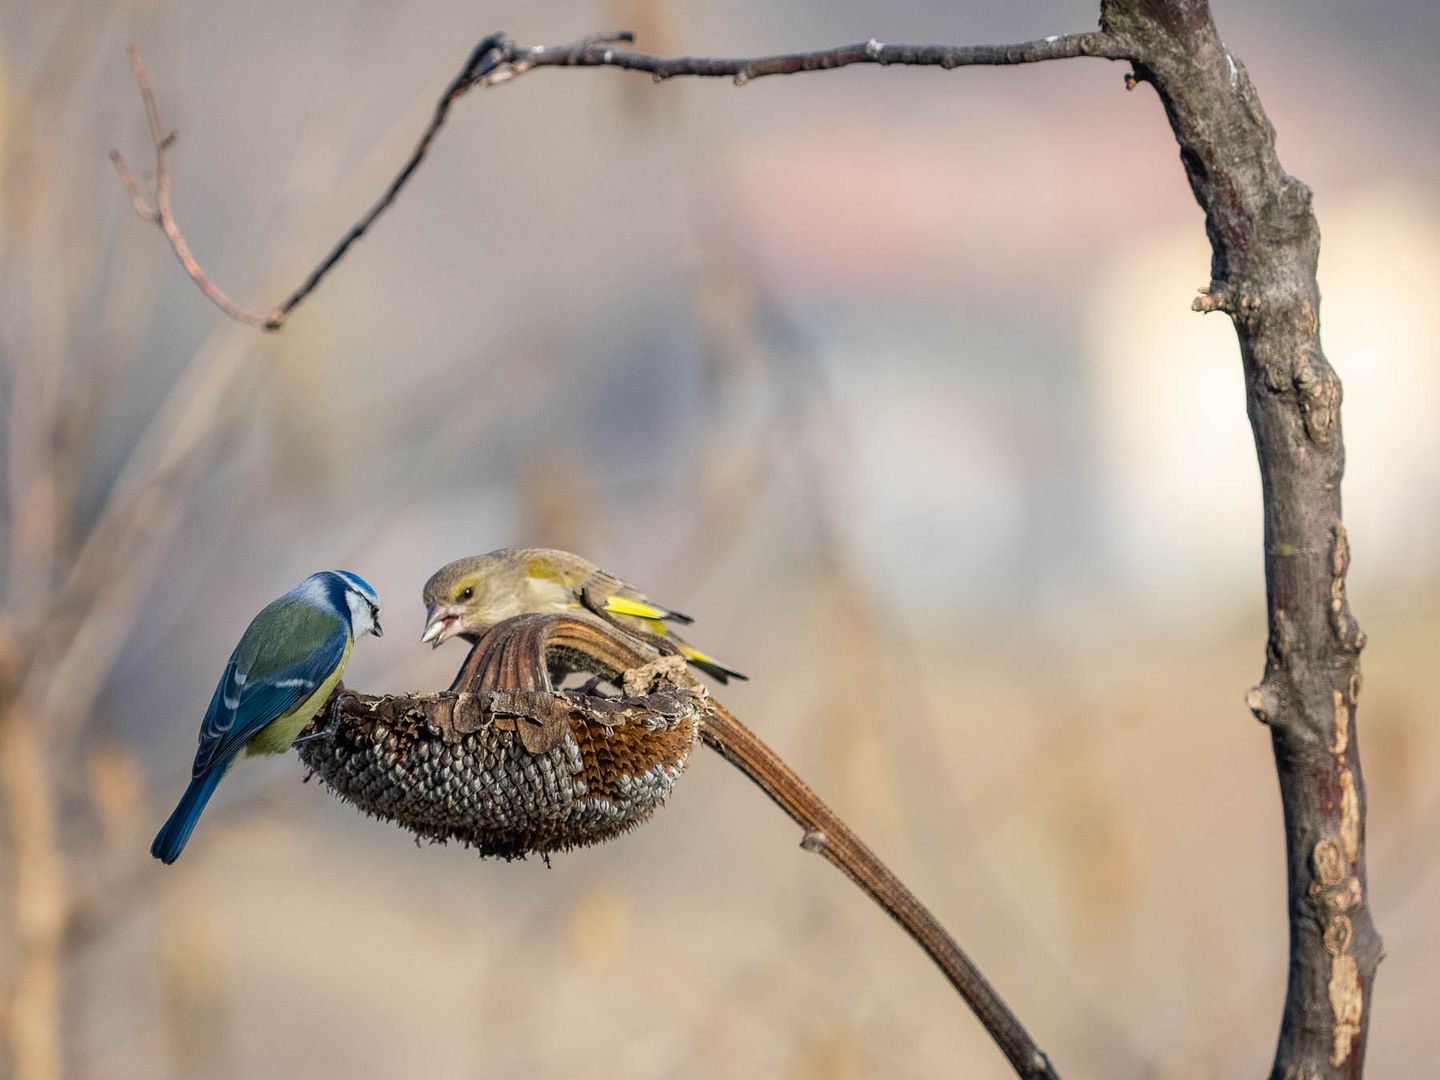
914,415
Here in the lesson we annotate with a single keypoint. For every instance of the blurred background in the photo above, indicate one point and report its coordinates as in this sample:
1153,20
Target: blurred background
889,377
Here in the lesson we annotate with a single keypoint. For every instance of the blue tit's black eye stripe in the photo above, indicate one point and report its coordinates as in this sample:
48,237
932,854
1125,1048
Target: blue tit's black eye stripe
335,589
355,582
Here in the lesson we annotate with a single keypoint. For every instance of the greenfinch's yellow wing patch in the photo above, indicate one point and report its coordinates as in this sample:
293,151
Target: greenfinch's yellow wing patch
544,570
620,605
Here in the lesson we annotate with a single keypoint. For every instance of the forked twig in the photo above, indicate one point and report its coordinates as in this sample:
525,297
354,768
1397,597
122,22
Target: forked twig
160,213
497,59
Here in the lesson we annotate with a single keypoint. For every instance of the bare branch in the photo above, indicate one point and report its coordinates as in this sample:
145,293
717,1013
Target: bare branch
497,59
513,59
1265,246
160,213
132,187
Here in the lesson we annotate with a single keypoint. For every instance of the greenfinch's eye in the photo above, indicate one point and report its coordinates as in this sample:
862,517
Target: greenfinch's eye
467,593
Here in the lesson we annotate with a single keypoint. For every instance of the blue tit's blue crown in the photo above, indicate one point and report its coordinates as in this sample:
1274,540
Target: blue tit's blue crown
348,595
329,588
359,584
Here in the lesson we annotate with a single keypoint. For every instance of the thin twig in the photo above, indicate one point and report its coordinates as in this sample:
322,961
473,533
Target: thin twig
826,834
132,187
515,59
160,213
463,80
497,59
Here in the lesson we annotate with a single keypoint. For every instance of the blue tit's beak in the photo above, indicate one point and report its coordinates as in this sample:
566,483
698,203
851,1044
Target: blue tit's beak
442,622
375,625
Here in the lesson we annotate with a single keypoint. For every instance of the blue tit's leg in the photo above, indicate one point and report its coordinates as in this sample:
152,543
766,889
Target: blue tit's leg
319,733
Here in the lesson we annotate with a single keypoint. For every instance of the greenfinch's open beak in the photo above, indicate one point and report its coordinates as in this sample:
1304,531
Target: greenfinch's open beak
442,622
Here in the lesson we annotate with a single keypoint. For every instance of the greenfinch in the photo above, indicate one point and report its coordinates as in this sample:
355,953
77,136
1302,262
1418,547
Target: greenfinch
468,596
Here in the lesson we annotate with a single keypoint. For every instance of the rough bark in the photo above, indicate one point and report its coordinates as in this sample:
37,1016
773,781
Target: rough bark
1265,244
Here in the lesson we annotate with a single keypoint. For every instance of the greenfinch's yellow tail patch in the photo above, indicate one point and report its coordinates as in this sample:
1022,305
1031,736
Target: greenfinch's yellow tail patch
710,665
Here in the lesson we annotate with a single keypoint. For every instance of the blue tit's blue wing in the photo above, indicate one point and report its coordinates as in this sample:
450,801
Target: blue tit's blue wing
219,717
288,651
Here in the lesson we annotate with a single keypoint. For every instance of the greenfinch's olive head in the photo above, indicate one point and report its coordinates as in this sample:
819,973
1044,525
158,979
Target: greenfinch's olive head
468,596
455,601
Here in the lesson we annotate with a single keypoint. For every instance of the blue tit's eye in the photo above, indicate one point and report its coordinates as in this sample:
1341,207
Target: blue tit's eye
468,593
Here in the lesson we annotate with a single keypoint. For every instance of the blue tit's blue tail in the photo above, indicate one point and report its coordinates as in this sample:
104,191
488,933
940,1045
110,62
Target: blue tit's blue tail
171,838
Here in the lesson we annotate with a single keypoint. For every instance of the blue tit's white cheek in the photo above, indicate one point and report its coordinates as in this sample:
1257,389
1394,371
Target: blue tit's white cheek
362,617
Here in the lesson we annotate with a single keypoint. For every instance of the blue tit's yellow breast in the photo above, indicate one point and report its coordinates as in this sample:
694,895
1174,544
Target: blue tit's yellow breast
279,735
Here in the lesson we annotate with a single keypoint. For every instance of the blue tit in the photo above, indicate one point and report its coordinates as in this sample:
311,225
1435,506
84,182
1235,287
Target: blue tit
285,668
467,597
